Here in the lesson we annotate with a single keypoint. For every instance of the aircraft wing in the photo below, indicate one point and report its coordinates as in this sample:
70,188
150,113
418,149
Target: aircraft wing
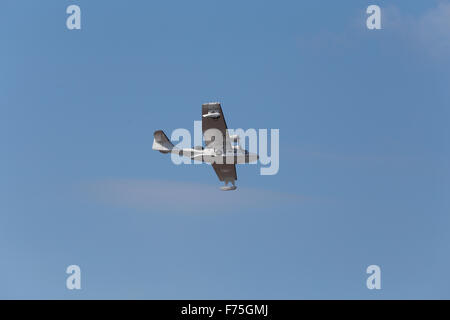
225,172
212,118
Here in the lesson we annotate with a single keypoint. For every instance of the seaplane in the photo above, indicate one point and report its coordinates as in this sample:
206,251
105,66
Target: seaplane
221,150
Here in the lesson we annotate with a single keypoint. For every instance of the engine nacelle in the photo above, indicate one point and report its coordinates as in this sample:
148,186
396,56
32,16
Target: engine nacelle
234,138
213,115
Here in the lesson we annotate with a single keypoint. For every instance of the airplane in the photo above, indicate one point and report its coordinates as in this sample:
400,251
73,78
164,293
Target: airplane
218,150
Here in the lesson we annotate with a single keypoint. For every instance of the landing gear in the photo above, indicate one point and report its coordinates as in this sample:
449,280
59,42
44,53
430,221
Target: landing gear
226,187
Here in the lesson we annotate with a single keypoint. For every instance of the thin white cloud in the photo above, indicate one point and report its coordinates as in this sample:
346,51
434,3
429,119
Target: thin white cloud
434,29
428,32
183,196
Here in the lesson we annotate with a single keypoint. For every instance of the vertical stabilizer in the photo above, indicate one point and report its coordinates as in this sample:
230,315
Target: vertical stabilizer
161,142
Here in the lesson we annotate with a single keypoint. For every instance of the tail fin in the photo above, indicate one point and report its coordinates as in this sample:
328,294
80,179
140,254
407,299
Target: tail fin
161,142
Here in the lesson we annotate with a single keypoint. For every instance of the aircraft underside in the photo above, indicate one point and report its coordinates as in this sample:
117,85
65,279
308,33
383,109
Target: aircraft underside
219,152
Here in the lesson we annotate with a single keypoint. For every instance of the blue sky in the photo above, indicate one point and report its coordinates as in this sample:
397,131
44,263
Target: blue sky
364,149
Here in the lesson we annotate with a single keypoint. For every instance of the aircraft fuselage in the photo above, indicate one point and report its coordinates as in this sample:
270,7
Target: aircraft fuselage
235,156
